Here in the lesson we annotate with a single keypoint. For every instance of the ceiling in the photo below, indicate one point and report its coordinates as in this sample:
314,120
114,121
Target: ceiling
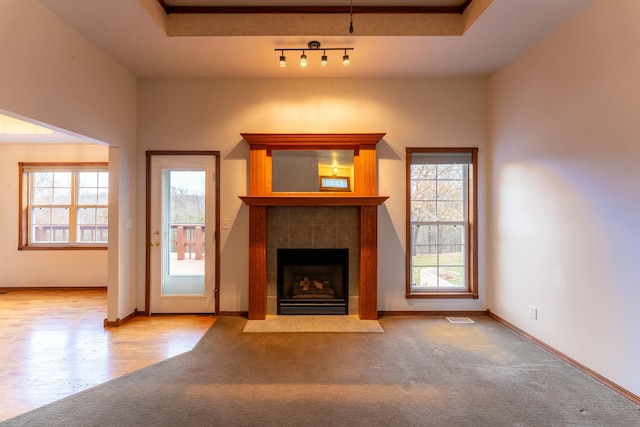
18,130
313,3
356,3
126,31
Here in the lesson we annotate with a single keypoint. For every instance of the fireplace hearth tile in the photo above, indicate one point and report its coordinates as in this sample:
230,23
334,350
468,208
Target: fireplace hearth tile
348,215
300,215
300,236
272,305
279,215
272,282
324,215
312,324
353,305
347,235
324,236
277,236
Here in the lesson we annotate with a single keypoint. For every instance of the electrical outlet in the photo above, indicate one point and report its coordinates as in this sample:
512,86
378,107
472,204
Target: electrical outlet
533,312
225,223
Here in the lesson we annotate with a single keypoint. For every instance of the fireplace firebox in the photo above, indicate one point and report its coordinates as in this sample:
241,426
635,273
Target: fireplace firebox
313,281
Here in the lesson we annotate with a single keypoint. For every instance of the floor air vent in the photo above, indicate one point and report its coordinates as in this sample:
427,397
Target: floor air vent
460,320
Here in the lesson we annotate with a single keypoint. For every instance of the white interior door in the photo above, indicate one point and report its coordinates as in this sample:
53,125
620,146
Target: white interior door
182,224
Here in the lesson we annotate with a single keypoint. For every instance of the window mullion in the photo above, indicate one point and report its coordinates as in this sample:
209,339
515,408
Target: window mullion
437,223
30,237
73,209
465,192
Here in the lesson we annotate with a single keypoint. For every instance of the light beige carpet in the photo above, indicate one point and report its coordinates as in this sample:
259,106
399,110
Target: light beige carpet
312,324
422,371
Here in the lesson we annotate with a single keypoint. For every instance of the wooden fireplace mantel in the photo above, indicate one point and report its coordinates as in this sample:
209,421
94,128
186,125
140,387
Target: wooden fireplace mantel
313,200
364,196
312,141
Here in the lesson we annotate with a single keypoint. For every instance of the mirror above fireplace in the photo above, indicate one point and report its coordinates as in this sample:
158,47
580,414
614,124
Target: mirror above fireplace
309,171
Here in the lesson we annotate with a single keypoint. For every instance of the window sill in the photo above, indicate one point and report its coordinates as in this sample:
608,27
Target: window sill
62,248
442,294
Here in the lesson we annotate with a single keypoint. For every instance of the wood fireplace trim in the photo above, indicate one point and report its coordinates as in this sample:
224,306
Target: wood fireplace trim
362,144
364,196
313,200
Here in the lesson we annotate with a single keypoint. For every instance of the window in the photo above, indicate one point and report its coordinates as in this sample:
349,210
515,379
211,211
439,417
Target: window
441,223
63,206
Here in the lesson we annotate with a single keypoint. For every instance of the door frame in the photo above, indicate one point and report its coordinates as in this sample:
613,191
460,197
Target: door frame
147,277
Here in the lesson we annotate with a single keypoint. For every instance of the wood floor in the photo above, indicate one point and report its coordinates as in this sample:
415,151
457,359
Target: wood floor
53,344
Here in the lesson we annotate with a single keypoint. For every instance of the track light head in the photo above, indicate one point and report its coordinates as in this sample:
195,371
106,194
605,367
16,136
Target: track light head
303,59
324,61
283,60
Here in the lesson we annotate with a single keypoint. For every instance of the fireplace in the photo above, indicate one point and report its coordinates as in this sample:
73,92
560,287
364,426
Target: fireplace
361,196
313,281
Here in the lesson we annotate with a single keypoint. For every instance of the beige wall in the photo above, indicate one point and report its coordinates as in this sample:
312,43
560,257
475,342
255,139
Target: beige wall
210,114
43,268
52,75
565,133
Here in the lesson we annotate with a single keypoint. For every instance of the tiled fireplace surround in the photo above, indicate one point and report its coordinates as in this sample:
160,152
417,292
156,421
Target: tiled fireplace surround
312,227
313,220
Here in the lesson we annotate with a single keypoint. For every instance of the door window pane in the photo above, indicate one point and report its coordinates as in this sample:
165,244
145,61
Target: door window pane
185,203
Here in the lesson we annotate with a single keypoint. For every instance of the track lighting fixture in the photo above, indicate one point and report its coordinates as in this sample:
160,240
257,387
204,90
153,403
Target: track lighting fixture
313,46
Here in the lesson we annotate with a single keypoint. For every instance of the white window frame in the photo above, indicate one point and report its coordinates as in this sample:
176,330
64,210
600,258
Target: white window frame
26,239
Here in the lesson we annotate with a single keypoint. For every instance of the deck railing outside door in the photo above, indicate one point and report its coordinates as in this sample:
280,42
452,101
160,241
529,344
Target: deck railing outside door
188,239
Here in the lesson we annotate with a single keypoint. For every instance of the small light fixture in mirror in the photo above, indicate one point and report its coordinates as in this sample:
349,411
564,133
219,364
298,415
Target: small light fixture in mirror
335,183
